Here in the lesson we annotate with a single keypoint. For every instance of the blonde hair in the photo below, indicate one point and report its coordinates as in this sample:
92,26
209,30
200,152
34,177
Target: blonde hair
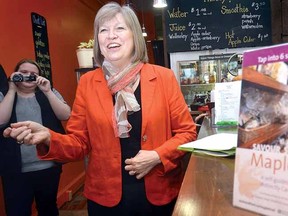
109,11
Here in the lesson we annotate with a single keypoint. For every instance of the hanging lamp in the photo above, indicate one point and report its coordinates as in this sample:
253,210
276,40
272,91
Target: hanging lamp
159,3
144,33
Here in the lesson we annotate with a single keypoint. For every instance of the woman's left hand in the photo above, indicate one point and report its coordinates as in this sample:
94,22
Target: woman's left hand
43,84
142,163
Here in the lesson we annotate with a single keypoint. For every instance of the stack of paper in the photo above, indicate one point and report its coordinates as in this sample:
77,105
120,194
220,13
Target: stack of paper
219,145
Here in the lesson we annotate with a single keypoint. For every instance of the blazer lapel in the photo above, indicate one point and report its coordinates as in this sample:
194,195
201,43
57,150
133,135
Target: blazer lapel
104,96
148,88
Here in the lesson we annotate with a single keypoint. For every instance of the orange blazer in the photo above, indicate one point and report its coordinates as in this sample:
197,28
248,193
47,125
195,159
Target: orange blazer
166,123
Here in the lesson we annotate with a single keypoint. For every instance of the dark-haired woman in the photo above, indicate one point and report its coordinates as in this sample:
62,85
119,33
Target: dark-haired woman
25,177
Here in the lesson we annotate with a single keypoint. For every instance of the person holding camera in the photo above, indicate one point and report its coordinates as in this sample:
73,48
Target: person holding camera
25,177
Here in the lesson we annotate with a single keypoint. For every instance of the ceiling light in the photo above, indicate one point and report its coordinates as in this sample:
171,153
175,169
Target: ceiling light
144,33
159,3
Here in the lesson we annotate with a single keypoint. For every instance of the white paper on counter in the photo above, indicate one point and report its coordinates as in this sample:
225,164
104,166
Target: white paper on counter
215,142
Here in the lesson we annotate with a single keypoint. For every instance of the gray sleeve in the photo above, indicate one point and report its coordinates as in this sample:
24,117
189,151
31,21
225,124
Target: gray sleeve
1,96
58,95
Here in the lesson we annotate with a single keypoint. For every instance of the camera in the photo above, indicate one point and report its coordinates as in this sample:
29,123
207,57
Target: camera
23,78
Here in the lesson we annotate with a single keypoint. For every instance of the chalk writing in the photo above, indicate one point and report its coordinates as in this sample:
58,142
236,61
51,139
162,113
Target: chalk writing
40,38
176,13
257,5
214,24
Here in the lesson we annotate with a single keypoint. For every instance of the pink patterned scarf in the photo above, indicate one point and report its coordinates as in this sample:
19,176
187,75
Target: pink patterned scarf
122,85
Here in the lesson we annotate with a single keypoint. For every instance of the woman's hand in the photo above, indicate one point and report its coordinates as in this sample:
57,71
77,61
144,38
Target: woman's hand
142,163
12,85
28,132
43,84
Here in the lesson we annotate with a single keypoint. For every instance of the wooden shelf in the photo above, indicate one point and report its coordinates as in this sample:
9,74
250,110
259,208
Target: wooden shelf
255,77
80,71
265,135
84,70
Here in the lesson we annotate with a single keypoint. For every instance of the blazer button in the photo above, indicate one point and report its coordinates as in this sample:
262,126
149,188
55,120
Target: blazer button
144,138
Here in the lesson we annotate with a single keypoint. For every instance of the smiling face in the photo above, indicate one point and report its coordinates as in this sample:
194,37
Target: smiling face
116,42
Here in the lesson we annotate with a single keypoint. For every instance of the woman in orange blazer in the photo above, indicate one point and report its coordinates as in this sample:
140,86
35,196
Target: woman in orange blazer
129,117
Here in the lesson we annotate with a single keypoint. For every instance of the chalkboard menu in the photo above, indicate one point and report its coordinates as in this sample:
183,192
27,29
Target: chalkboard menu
194,25
41,46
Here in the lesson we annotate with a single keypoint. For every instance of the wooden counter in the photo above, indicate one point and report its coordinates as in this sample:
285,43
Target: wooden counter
207,187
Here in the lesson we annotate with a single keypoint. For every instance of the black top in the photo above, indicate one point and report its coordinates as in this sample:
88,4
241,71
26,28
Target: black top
3,81
130,146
